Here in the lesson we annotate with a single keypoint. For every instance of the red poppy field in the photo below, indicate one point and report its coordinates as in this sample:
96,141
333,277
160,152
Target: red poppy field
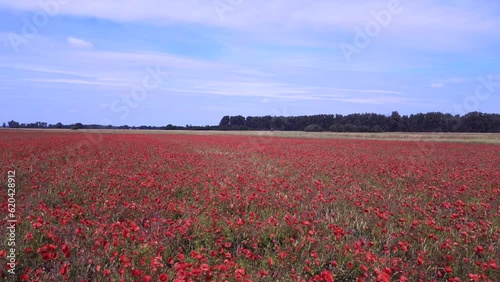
158,207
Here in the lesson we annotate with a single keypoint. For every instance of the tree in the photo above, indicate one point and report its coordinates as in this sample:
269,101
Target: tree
334,128
224,121
59,125
313,128
237,121
4,125
278,123
395,122
251,122
77,126
13,124
473,122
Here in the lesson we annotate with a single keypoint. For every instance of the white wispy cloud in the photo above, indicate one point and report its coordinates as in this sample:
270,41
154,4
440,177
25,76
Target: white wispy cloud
451,80
284,91
77,81
42,69
439,25
79,43
107,70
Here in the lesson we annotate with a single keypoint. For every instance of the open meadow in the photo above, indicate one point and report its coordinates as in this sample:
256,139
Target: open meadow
227,206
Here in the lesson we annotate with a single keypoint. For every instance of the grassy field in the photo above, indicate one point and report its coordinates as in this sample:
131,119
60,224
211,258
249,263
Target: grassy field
490,138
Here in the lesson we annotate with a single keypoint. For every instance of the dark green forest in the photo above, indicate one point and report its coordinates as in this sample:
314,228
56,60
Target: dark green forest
366,122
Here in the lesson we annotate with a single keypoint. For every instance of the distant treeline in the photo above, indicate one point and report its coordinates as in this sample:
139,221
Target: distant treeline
367,122
79,125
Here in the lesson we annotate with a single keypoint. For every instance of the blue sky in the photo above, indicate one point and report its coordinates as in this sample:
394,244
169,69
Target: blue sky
157,62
